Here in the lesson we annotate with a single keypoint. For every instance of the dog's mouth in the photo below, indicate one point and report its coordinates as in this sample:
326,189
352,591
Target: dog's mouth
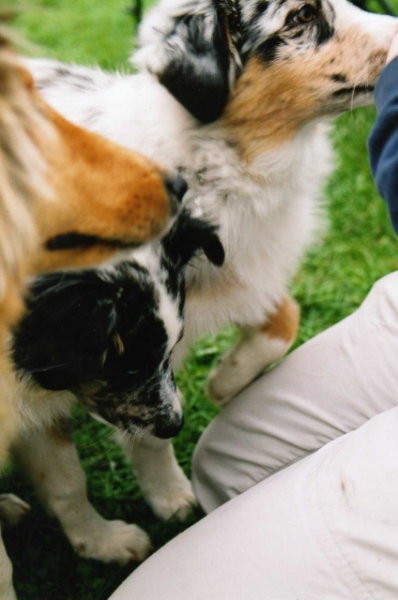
353,91
163,428
121,412
349,97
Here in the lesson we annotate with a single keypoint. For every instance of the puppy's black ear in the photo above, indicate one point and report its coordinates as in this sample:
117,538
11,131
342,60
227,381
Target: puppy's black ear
191,56
188,236
61,340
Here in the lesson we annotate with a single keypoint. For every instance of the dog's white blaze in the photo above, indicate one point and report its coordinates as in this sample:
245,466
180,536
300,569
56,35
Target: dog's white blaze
168,313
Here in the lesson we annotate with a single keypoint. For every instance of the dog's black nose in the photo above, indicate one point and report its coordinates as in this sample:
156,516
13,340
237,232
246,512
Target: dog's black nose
168,428
176,186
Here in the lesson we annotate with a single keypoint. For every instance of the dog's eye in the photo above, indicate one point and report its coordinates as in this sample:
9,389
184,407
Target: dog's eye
306,14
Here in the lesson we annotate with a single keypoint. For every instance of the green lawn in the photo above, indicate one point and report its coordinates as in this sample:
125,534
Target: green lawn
358,248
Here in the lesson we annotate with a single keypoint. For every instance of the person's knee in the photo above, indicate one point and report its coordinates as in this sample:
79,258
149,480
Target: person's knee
205,466
386,288
225,464
381,305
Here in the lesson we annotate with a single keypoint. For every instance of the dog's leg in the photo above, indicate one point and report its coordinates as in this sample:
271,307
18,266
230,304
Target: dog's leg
51,460
6,587
258,347
12,510
162,481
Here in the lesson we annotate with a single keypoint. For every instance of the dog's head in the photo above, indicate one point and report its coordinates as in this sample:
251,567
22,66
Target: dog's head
294,60
107,334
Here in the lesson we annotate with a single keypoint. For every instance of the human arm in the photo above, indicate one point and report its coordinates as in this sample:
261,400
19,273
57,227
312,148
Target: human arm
383,140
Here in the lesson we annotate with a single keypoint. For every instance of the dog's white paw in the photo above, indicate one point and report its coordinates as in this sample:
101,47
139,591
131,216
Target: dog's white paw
242,364
224,381
6,588
12,510
8,594
112,542
174,503
163,483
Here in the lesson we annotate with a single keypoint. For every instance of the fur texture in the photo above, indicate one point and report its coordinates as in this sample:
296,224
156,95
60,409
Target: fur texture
107,334
258,168
237,95
105,337
54,186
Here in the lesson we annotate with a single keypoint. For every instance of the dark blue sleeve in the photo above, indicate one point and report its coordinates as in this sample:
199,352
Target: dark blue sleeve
383,140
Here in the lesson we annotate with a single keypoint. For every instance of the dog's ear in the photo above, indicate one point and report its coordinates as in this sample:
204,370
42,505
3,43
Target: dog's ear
191,55
61,340
188,236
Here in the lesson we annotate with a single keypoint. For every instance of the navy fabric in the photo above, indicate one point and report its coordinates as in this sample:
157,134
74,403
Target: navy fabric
383,140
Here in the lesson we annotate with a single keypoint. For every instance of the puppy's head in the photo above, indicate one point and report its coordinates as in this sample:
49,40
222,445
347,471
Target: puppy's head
107,334
189,46
309,57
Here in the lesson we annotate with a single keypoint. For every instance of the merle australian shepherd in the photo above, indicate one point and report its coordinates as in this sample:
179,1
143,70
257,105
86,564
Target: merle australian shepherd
237,95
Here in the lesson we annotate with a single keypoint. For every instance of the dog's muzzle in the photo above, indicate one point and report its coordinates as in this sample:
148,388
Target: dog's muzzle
170,426
176,187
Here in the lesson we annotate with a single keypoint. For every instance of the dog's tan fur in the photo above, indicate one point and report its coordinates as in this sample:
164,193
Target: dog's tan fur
284,322
270,105
99,189
21,182
56,178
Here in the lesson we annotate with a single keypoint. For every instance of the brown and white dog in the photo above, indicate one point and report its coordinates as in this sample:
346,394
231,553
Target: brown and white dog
67,198
241,93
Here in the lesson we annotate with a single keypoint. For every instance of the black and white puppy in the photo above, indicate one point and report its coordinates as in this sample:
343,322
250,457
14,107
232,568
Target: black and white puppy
104,337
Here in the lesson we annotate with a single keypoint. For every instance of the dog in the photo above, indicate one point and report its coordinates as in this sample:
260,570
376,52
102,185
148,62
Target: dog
239,95
242,92
104,337
57,209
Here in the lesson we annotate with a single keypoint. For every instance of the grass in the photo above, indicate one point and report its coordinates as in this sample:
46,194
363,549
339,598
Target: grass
335,277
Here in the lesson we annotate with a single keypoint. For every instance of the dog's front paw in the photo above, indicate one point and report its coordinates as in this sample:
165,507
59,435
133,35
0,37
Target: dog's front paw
224,381
12,510
112,542
242,364
174,503
163,483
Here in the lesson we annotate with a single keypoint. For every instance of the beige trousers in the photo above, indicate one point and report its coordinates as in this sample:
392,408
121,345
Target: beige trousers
316,441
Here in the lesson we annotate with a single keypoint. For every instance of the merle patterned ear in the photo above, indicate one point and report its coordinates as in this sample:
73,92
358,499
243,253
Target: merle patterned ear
194,59
65,331
188,236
